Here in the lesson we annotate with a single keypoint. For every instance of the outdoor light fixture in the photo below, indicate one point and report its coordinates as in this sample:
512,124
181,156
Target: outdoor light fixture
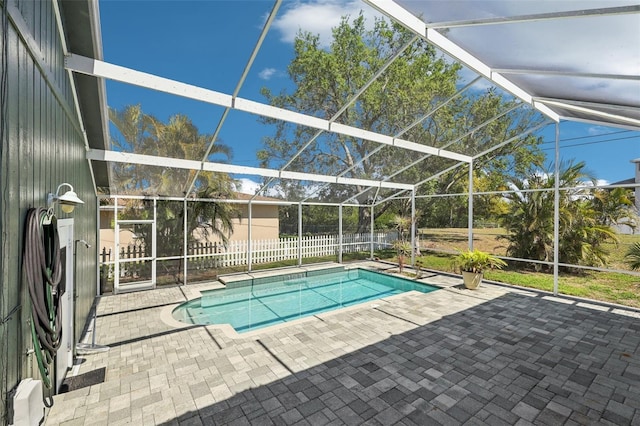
67,201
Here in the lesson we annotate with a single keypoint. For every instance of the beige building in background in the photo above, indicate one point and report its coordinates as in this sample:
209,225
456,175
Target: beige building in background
264,223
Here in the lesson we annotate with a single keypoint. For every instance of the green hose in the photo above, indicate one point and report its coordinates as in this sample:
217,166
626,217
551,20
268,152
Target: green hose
43,271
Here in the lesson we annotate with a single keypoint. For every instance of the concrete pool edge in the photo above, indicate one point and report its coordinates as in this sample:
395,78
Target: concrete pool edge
167,318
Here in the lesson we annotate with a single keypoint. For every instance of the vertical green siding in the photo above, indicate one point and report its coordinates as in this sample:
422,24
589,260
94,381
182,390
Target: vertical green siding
43,149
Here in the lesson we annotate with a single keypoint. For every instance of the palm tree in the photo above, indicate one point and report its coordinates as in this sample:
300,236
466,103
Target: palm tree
530,217
632,258
615,207
178,138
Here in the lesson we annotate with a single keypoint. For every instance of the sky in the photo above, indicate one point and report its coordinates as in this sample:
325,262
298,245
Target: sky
208,43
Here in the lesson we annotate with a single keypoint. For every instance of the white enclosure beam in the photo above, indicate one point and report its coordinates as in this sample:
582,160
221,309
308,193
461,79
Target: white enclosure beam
572,106
556,212
400,14
602,123
413,228
340,234
440,173
583,13
103,69
299,234
412,146
154,243
371,230
185,241
391,197
521,71
588,104
94,67
249,236
151,160
224,200
470,206
508,141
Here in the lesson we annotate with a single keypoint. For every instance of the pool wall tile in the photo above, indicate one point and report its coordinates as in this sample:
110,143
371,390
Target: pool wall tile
235,282
332,270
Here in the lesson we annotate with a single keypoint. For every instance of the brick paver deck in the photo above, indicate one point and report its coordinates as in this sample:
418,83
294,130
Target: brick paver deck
490,356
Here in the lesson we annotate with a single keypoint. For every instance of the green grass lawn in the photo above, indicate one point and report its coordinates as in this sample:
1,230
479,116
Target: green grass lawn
604,286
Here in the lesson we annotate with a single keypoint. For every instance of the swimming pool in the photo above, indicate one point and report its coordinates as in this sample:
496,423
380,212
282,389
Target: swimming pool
256,306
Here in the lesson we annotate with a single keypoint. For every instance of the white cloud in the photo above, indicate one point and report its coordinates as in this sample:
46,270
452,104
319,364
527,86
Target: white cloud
597,130
247,186
598,182
319,17
267,73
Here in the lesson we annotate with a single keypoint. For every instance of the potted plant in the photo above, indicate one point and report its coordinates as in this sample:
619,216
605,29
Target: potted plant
473,263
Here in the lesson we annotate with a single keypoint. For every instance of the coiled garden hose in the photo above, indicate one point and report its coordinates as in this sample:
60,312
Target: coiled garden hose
43,270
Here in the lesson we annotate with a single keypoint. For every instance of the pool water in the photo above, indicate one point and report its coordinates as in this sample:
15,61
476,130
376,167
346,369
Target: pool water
256,306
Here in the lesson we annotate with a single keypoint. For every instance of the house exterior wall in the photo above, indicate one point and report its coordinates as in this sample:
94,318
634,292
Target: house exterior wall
42,147
264,223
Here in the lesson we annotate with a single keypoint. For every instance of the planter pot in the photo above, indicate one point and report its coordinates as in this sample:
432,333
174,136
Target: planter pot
471,279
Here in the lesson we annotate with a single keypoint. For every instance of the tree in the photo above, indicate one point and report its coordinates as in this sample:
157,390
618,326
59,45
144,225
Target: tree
529,219
178,138
417,81
632,257
615,207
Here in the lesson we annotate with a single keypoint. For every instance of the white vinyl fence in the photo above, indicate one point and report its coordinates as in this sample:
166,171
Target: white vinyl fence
266,251
214,255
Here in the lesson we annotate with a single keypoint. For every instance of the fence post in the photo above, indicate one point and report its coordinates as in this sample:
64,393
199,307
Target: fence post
299,234
372,230
340,233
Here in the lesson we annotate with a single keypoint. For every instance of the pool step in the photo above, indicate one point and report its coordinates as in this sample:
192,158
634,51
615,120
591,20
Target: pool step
265,277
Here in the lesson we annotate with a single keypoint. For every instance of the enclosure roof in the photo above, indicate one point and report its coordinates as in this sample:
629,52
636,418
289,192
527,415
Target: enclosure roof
577,61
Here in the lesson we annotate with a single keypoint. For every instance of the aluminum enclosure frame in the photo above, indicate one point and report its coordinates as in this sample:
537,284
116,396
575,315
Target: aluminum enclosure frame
548,106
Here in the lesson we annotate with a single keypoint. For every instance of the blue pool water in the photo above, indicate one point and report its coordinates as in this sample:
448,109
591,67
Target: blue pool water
256,306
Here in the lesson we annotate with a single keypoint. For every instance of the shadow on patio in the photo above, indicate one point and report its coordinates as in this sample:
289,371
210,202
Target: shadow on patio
514,359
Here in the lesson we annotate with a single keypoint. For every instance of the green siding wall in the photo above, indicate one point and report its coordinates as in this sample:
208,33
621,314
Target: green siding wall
42,149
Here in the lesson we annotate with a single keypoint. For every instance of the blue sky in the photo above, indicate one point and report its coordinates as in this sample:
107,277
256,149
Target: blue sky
208,43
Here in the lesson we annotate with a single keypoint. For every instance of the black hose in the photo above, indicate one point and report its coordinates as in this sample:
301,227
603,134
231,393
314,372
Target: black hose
43,270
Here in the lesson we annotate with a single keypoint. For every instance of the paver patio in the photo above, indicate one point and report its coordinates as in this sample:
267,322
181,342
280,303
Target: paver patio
490,356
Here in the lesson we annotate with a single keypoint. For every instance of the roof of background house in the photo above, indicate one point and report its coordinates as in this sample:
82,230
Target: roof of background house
241,196
624,182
